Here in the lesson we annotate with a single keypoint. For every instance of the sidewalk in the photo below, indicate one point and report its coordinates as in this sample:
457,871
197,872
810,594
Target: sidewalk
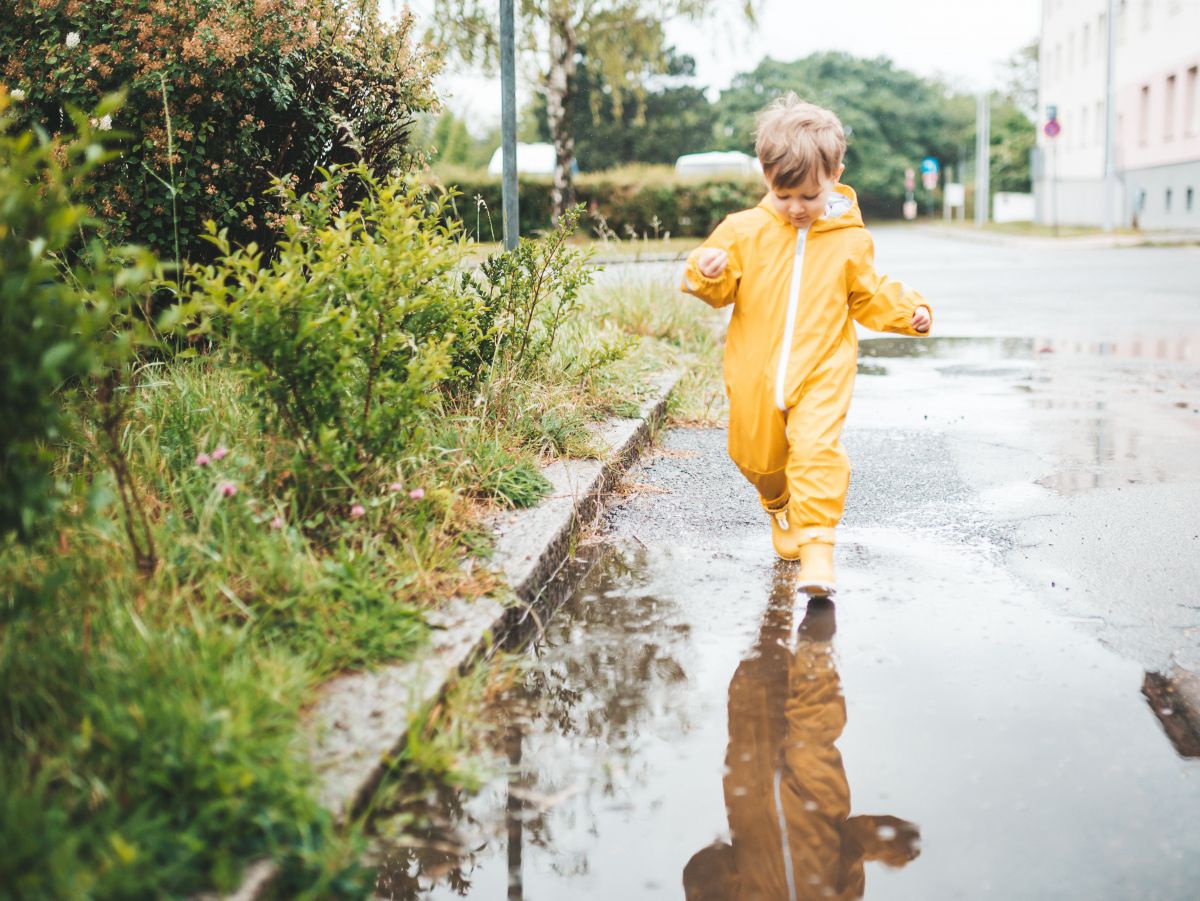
1181,238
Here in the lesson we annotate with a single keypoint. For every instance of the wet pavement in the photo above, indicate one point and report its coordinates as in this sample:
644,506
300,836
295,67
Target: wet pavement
1001,703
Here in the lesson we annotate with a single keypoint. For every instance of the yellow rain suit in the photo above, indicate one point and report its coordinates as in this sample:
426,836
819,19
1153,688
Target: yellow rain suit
786,793
792,352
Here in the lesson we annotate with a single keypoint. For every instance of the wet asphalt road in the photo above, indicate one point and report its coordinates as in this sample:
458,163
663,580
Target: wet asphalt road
997,706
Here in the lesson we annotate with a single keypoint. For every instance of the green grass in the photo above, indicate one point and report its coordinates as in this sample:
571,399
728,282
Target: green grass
1039,230
150,730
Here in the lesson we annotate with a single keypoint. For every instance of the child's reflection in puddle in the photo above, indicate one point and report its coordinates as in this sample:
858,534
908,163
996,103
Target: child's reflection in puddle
785,786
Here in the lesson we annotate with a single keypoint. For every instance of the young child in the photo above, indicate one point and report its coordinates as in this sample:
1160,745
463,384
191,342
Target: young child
798,269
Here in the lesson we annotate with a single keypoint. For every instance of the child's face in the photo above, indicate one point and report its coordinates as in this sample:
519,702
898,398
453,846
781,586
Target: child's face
804,204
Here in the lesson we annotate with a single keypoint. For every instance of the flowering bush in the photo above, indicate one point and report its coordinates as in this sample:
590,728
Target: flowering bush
222,95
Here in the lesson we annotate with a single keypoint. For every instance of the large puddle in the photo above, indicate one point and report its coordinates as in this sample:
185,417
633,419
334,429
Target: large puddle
686,728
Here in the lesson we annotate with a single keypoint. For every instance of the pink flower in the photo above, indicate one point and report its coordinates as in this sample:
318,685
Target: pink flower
395,486
220,453
203,459
357,510
277,522
417,494
228,489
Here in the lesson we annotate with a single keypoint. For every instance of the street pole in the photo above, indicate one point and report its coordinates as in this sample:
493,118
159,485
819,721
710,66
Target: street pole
1110,120
508,124
983,147
1054,185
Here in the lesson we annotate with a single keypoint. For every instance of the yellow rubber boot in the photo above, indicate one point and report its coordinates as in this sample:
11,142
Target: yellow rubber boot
784,535
817,577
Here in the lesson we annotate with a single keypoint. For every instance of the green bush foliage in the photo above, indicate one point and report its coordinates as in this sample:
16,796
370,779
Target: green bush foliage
223,95
40,318
631,202
526,296
347,333
75,315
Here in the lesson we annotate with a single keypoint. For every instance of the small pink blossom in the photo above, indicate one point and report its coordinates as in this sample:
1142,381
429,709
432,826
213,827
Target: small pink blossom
228,489
417,494
203,459
220,453
357,510
277,522
396,486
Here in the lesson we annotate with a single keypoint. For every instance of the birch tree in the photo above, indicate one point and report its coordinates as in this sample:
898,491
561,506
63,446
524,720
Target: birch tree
623,39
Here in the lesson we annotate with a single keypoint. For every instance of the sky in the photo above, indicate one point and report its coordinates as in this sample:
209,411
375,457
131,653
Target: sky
961,40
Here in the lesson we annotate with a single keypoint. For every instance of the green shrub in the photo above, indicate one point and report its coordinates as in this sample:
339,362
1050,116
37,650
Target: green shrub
348,332
630,202
40,318
527,295
75,315
223,94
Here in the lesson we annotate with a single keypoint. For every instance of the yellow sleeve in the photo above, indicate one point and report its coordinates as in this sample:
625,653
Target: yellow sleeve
881,303
722,290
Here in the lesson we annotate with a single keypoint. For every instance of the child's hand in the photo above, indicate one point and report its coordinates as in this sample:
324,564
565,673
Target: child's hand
711,261
921,319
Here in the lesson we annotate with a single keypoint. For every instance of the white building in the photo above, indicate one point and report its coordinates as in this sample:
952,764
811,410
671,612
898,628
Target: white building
1157,136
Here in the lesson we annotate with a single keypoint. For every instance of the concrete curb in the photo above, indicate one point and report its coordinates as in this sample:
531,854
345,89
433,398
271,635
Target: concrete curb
360,720
1078,242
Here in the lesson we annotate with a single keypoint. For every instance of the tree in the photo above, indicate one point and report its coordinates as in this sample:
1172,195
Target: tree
446,140
1013,128
624,41
893,117
1019,79
656,127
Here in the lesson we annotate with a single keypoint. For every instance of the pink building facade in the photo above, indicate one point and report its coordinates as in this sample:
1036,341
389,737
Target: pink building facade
1157,87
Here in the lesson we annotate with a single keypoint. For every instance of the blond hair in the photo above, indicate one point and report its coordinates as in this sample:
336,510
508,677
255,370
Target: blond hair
794,138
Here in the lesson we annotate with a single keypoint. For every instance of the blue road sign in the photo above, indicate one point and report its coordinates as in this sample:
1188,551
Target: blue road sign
929,164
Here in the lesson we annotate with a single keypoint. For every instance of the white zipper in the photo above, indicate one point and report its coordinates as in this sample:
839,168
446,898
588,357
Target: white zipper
789,872
789,327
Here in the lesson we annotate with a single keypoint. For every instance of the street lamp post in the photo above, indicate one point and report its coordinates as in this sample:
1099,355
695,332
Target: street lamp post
1110,120
983,155
508,123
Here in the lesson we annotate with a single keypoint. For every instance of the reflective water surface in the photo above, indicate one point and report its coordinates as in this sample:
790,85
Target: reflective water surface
1001,704
949,741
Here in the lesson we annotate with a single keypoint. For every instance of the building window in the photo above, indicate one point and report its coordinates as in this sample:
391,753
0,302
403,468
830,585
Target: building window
1122,18
1101,35
1086,46
1190,112
1188,197
1146,4
1169,110
1083,126
1167,201
1101,122
1144,115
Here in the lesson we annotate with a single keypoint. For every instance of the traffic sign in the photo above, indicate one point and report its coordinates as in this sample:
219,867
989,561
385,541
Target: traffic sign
1052,128
929,164
909,179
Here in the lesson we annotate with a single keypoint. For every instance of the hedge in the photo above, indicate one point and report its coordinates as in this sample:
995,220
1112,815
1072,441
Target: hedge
222,95
632,202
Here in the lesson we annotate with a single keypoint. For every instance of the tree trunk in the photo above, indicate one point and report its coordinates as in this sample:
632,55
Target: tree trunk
560,84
